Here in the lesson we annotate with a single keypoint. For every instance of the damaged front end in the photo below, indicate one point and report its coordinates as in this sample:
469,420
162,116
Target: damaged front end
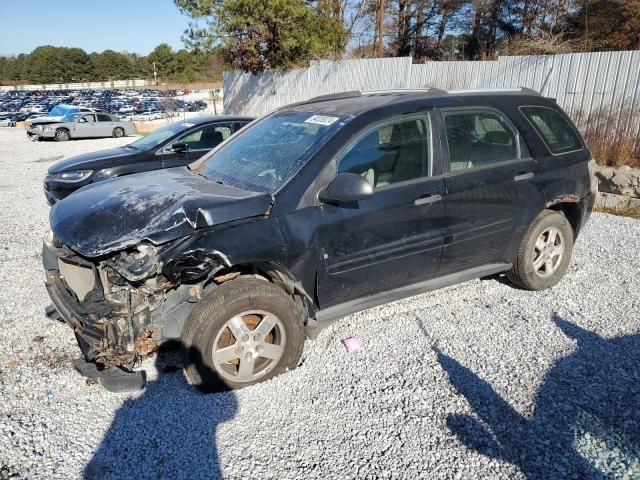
122,306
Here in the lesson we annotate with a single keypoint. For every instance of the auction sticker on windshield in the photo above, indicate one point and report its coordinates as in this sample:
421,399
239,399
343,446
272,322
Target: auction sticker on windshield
322,120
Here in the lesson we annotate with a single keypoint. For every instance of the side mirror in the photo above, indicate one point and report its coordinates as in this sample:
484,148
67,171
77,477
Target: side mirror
346,188
180,147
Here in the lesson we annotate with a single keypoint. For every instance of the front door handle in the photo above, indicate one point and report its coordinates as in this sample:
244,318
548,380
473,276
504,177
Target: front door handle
523,176
427,199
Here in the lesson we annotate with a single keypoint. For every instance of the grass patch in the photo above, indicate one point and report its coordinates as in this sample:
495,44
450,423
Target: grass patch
621,212
611,135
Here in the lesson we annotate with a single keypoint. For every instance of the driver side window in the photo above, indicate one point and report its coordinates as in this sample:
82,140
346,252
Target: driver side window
87,118
392,152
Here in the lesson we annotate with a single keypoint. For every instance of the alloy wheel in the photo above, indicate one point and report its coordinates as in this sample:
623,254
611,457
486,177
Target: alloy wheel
548,252
249,346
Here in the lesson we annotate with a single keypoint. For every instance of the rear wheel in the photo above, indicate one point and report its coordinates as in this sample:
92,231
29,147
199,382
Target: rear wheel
244,332
118,132
545,252
62,135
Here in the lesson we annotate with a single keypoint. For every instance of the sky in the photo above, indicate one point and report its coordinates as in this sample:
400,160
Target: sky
136,26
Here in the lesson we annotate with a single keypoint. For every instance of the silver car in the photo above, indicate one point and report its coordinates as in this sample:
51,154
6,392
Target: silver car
81,125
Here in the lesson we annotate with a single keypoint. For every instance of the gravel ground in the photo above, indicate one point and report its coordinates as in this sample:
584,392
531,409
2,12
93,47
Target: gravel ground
478,380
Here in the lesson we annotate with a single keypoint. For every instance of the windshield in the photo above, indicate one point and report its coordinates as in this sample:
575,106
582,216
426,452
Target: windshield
157,137
62,110
267,154
72,117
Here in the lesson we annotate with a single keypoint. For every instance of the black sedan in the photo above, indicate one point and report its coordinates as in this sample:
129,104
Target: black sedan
176,145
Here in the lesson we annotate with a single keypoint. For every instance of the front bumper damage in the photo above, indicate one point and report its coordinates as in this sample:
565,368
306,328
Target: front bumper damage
122,306
111,317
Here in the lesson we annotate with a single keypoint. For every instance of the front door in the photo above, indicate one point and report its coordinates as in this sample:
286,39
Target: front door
200,141
85,127
395,237
493,189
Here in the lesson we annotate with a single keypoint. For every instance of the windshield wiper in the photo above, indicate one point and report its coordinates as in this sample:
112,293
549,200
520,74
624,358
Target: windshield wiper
131,146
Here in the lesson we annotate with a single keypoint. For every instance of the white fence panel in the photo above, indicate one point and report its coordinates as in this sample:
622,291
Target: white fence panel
587,85
82,85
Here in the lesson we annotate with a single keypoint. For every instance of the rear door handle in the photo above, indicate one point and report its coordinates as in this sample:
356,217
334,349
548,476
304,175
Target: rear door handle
523,176
427,199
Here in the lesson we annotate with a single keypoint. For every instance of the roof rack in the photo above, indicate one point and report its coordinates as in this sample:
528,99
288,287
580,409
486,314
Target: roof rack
428,91
432,90
524,90
331,96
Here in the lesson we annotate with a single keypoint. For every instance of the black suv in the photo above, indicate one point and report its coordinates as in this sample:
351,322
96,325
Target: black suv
175,145
315,211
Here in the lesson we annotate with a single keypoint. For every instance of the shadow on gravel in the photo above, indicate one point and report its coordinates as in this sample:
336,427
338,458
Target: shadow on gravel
167,432
586,422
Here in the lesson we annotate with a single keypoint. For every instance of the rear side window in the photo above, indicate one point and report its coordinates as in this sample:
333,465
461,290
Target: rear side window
556,132
479,137
104,118
390,153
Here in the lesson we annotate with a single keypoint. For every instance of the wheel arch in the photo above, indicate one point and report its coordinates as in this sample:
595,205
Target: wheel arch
274,272
66,129
570,206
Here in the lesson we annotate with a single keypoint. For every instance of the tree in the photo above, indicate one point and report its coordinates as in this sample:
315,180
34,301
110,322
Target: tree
111,65
606,25
264,34
49,64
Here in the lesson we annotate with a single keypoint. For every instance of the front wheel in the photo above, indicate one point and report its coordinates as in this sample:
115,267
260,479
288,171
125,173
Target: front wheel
62,135
118,132
244,332
544,255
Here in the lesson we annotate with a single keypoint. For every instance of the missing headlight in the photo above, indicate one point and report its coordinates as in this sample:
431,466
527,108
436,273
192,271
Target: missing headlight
136,265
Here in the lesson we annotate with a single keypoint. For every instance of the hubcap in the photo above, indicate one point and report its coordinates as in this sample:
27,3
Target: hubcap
548,252
249,346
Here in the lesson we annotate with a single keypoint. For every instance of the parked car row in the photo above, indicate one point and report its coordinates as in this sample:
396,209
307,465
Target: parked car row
119,102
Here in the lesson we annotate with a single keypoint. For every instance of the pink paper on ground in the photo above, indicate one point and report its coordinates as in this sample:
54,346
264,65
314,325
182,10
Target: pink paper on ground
352,344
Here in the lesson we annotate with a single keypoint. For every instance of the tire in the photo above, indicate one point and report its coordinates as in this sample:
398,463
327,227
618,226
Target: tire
545,252
118,132
62,135
212,320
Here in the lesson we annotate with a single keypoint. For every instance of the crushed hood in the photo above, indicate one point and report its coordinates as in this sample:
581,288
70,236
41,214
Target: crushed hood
95,160
157,206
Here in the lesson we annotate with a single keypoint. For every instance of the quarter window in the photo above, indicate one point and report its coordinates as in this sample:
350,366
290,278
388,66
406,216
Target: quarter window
393,152
479,137
556,132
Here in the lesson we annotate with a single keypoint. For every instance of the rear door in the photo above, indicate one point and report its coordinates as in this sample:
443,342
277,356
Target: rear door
395,237
493,188
105,125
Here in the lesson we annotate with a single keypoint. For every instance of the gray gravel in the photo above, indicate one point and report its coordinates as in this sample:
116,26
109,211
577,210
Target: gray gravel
479,380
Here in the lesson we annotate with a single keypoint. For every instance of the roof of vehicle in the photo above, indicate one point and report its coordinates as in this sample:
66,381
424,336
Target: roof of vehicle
356,102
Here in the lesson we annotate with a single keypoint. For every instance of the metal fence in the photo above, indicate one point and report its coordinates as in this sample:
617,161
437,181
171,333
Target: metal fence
583,83
134,83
